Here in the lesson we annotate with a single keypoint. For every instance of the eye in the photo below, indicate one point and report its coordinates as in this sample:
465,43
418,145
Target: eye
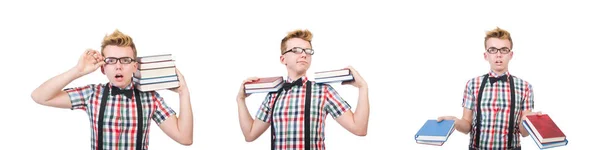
126,60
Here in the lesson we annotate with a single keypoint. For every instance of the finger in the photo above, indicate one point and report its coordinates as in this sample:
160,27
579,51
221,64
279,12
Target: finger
253,78
439,119
100,64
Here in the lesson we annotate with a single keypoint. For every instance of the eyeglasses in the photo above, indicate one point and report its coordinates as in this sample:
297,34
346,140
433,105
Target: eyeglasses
494,50
123,60
299,50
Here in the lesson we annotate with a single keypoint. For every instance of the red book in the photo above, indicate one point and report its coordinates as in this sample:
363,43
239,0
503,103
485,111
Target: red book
266,82
544,128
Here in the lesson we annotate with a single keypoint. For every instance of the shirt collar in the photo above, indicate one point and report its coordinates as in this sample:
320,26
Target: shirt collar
493,74
290,80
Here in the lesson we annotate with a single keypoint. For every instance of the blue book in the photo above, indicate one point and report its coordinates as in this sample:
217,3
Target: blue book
435,132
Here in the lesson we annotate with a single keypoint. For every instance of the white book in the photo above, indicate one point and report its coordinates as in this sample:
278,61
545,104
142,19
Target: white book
264,90
333,73
334,79
155,80
155,65
157,86
153,73
154,58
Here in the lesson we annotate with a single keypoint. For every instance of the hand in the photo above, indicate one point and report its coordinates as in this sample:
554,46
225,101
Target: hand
358,81
182,84
531,113
242,93
440,119
89,61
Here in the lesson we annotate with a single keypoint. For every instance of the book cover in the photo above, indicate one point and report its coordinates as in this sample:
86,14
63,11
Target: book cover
265,82
544,128
540,144
435,131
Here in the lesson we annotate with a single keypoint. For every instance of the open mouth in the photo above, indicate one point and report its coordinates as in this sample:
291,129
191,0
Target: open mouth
119,76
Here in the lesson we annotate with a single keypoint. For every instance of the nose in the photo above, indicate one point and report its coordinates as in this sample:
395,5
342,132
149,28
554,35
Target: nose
303,54
118,65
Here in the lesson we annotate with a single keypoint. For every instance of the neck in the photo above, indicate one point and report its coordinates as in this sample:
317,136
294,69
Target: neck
295,75
500,72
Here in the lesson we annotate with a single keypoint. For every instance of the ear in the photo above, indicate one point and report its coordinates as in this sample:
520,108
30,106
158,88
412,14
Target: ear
102,69
510,55
485,55
282,60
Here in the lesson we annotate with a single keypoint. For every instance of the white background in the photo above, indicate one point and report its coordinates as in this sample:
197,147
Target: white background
416,58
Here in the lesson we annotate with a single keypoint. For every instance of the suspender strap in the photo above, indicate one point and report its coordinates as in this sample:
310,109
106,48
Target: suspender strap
478,111
511,125
307,112
307,99
100,124
140,120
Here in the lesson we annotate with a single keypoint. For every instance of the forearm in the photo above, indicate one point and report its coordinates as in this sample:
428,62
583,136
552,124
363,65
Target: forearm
53,86
522,129
361,115
185,121
462,125
245,119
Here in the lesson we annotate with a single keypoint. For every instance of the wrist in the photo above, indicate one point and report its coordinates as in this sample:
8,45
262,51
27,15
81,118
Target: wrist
74,72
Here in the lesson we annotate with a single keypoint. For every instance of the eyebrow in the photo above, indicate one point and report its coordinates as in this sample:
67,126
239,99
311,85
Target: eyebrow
498,48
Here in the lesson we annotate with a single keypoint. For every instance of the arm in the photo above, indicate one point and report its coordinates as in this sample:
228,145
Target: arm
357,122
50,92
251,128
181,129
527,108
522,129
466,121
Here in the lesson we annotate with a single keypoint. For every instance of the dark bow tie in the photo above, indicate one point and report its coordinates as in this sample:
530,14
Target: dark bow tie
501,78
287,86
128,93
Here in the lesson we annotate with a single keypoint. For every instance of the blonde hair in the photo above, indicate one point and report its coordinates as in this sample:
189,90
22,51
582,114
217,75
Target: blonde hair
302,34
498,33
117,38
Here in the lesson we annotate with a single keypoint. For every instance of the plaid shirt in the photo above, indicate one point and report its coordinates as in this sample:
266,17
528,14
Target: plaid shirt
120,120
496,109
289,116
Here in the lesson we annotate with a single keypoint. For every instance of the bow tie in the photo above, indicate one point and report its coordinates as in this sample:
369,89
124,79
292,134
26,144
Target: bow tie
501,78
287,86
128,93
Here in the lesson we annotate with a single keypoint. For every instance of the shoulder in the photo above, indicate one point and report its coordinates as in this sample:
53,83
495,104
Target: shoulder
521,82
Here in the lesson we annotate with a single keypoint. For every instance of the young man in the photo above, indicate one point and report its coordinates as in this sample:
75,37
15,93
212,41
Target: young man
285,110
492,113
114,108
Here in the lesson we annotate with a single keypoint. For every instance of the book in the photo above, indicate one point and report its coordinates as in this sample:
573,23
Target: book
155,79
435,133
154,58
540,144
332,73
156,65
544,128
334,79
157,86
155,72
265,84
332,76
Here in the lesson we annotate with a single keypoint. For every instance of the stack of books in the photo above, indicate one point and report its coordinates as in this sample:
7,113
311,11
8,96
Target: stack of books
333,76
435,133
264,85
544,131
155,72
